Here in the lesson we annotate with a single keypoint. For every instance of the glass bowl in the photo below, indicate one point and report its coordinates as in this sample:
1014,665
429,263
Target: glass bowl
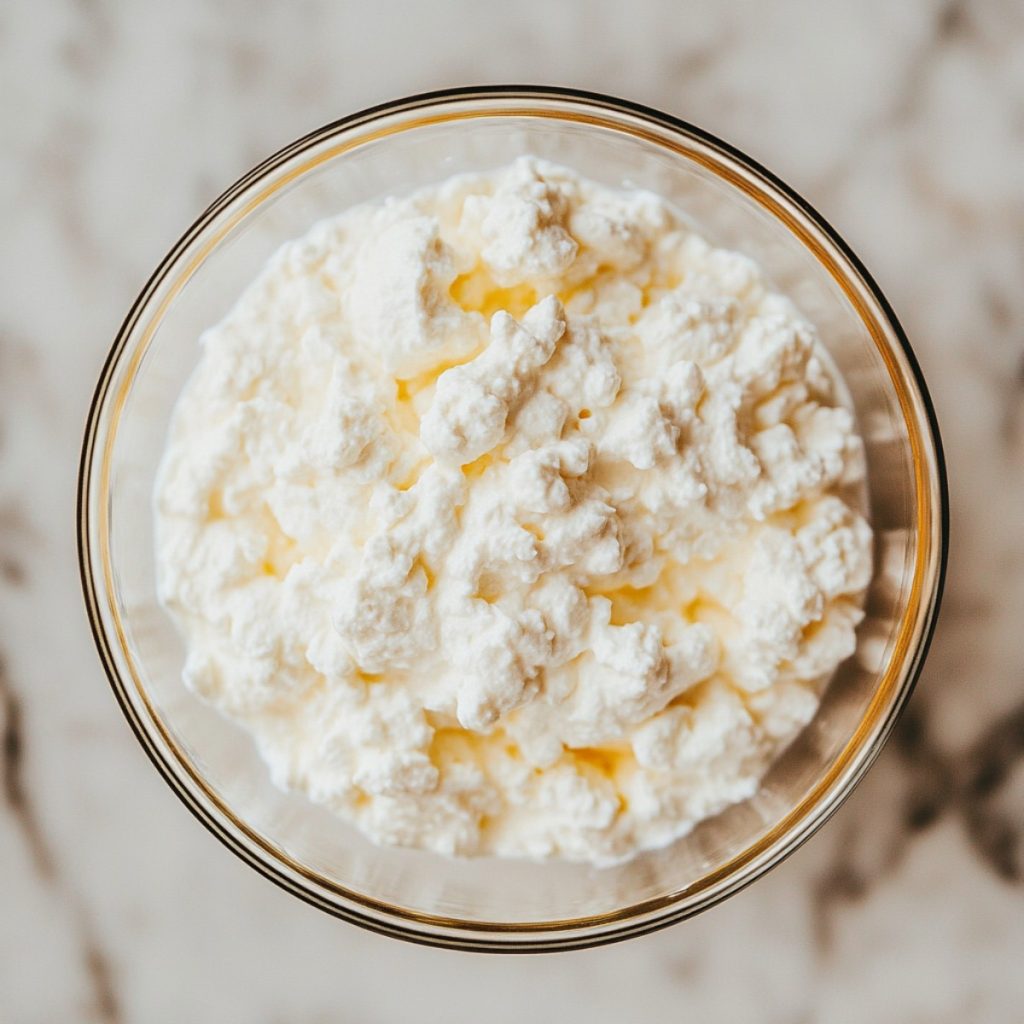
211,763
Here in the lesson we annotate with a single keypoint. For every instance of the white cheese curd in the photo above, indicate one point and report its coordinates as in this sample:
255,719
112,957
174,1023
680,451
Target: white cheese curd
513,518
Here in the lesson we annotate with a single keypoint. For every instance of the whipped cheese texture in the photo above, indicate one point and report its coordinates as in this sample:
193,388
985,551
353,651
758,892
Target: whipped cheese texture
513,518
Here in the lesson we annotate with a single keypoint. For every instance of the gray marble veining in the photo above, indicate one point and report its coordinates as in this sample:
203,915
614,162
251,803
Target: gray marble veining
903,123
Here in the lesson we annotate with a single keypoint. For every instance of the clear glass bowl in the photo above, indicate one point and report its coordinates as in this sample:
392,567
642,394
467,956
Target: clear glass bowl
211,763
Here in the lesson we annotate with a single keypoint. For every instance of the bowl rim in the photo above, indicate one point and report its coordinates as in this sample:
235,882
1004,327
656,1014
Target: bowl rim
798,825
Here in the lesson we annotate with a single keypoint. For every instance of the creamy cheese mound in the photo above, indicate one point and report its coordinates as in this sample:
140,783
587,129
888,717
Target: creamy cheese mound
513,518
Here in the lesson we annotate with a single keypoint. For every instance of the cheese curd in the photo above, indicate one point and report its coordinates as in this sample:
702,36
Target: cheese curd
511,517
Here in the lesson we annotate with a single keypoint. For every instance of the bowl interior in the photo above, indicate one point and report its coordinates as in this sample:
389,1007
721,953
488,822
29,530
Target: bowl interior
216,757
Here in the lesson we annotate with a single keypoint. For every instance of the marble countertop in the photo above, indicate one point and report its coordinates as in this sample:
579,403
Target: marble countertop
903,123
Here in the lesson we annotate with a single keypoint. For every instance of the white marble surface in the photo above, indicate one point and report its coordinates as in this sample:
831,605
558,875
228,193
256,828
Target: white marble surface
903,122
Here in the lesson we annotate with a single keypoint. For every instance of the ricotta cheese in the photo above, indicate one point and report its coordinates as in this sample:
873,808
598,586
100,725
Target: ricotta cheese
511,517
